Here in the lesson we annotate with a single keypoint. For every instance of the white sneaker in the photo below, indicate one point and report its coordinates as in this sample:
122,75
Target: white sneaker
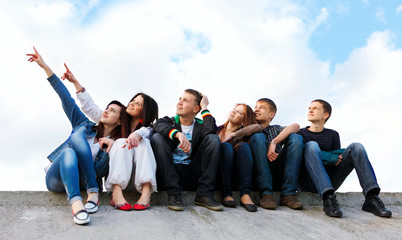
91,207
82,217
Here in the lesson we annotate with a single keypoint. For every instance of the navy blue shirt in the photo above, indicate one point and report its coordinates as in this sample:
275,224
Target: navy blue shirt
328,140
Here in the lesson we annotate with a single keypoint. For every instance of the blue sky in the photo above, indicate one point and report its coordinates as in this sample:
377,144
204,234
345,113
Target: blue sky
347,52
349,24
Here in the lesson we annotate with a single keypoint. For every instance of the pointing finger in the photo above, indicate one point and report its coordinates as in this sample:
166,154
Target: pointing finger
68,70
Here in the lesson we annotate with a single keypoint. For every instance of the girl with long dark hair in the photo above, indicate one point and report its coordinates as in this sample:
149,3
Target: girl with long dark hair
131,157
78,162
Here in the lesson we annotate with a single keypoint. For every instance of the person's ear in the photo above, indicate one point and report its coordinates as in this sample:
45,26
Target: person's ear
196,109
325,116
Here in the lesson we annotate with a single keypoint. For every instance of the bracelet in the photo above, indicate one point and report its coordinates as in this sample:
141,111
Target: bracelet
81,90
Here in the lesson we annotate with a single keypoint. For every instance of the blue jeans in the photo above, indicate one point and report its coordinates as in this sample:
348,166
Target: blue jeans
327,178
240,158
72,168
281,174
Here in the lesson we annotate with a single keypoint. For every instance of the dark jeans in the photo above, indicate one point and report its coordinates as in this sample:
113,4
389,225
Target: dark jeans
326,178
281,174
199,175
239,158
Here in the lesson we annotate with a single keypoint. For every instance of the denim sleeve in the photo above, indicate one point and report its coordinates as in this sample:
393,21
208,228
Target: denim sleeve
73,112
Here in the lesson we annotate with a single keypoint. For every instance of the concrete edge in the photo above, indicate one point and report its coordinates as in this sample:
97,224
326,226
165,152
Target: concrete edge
43,198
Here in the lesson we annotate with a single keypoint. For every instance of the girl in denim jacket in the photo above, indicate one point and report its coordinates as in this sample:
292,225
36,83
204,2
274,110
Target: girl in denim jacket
72,163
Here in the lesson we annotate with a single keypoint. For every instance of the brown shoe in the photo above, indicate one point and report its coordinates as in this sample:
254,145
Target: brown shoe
267,202
291,201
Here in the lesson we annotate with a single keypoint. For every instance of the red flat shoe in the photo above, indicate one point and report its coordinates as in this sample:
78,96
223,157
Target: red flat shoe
140,207
124,207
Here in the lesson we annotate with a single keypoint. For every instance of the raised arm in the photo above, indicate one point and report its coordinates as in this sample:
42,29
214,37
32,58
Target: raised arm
36,57
88,106
71,109
209,124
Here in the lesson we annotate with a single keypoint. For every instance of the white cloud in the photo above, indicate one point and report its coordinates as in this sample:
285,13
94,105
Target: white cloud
399,9
380,14
367,107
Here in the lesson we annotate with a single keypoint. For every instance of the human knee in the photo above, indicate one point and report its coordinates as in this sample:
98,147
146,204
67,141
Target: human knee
311,146
77,137
257,138
120,143
242,145
295,140
212,140
157,139
68,158
358,147
225,146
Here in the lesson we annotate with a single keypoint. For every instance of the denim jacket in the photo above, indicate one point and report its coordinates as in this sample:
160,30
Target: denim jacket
79,123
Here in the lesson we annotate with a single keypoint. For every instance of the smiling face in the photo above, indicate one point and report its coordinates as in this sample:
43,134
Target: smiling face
237,115
111,115
316,113
263,113
135,107
187,105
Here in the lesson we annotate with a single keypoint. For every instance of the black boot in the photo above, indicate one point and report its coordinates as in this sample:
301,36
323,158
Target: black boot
331,206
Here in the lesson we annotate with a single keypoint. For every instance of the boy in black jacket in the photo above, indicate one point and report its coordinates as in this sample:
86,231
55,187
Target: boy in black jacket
187,152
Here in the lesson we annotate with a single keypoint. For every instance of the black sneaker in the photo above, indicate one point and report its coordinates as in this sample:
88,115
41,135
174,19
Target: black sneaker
331,206
175,202
376,207
208,202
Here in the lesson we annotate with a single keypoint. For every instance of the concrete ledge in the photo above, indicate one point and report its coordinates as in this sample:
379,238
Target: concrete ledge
40,198
46,215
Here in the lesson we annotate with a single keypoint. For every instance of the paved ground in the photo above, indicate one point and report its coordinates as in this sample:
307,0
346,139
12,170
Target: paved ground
45,215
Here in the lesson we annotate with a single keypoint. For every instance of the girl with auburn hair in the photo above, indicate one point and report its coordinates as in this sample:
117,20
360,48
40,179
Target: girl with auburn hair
236,154
80,160
131,157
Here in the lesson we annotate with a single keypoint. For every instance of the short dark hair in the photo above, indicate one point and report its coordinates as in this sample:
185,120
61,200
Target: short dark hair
196,94
150,110
327,107
270,103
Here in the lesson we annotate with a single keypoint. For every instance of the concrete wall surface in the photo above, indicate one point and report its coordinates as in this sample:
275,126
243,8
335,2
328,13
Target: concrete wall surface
46,215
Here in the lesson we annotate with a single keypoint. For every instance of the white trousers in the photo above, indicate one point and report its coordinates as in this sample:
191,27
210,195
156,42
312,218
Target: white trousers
132,167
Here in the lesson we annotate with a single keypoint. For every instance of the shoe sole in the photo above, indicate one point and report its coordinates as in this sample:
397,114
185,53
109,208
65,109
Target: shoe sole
334,216
379,215
294,208
269,207
82,222
175,208
217,208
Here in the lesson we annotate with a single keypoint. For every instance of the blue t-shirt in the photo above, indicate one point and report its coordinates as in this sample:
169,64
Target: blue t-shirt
179,156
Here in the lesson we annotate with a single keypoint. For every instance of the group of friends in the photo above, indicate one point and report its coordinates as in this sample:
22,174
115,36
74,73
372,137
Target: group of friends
135,151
